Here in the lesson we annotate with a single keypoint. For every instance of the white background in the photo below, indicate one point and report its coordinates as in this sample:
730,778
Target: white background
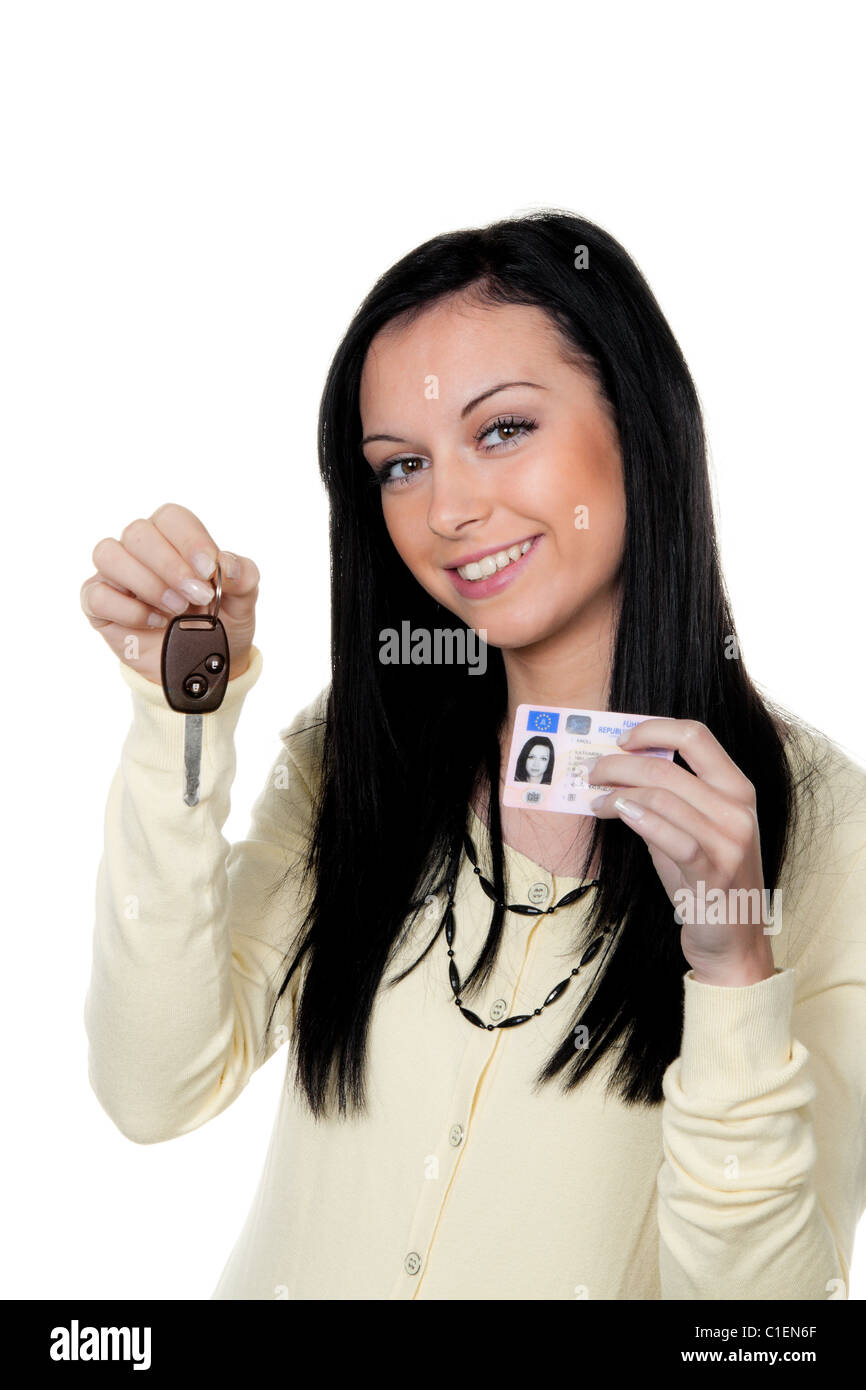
196,197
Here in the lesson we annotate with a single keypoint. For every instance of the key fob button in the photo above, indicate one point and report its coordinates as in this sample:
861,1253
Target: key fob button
195,685
214,663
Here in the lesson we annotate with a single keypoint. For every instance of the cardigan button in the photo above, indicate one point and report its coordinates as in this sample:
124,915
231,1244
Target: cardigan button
412,1262
455,1135
538,893
498,1010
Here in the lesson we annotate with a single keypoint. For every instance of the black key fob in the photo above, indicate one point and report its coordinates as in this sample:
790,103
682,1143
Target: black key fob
195,663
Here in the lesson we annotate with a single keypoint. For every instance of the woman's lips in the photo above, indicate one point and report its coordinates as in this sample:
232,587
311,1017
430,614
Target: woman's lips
484,588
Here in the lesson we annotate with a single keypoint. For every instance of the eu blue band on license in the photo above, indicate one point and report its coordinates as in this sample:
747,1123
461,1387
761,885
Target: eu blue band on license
551,747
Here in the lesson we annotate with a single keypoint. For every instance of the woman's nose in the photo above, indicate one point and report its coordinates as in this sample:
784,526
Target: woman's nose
456,497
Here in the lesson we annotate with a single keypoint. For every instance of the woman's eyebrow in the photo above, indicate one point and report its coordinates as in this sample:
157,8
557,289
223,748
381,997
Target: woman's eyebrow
470,405
492,392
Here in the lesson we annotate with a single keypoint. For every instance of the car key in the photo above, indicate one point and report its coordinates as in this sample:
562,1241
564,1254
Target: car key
195,672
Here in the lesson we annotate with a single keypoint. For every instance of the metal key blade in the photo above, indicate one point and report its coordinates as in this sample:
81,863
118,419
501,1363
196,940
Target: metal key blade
191,757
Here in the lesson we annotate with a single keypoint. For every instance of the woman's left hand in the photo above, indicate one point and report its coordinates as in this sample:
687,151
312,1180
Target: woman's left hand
701,828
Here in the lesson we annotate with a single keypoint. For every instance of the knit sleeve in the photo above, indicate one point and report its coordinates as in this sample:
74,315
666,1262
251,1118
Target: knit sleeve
764,1172
190,932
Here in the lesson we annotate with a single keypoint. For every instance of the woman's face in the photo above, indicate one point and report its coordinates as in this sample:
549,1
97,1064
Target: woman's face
536,762
468,475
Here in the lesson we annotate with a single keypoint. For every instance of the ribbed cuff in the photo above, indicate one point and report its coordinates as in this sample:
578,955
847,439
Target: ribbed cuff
735,1038
160,729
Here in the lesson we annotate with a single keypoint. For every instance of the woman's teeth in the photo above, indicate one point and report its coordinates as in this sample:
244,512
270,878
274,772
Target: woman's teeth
482,569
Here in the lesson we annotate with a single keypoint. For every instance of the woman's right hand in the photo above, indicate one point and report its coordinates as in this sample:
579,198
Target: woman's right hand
140,585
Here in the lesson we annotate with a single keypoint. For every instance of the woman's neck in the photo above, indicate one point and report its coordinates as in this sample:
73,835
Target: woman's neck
570,670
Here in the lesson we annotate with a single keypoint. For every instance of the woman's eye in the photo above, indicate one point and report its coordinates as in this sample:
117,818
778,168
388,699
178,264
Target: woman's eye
510,422
385,477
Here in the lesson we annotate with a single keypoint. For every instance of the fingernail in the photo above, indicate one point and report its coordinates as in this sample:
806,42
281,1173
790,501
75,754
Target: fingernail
157,619
173,601
625,736
203,564
230,564
196,590
628,808
597,803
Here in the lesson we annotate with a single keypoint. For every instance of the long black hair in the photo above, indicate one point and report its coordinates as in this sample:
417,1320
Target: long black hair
427,737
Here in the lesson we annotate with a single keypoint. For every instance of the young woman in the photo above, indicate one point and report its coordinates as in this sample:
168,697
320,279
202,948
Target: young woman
535,761
514,1071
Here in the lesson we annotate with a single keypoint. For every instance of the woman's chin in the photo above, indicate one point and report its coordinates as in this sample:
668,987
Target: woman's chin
521,625
512,635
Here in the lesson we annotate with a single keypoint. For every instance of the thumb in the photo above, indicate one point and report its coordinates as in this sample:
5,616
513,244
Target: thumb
240,585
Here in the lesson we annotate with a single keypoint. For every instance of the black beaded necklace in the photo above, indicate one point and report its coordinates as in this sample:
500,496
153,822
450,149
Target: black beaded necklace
526,910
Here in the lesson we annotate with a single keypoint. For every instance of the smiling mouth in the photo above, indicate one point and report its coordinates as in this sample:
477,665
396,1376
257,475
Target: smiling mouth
493,563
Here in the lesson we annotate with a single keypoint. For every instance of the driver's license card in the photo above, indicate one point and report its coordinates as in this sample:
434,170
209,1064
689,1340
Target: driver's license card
550,750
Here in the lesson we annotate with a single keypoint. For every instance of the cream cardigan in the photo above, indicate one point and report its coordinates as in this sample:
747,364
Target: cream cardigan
462,1182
